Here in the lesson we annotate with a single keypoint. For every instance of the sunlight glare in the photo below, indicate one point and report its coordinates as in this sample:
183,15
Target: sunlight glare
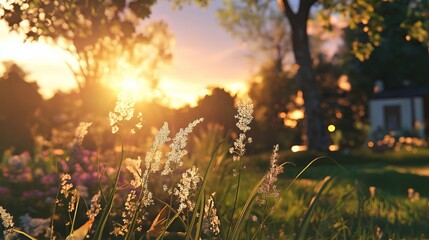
296,114
129,85
343,83
298,148
334,148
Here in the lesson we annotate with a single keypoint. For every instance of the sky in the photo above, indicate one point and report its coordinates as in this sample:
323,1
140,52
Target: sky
204,55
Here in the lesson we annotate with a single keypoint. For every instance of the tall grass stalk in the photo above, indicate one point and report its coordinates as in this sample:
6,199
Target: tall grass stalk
75,212
109,205
266,214
302,229
24,234
237,192
200,195
245,211
139,201
168,222
54,209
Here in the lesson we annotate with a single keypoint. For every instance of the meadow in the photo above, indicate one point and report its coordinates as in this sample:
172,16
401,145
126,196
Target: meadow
211,189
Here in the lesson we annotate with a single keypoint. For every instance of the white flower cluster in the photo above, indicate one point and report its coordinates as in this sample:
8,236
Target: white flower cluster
152,162
7,219
124,111
268,188
73,199
244,116
130,209
153,157
135,205
81,132
134,166
7,222
95,206
65,184
211,222
186,185
178,151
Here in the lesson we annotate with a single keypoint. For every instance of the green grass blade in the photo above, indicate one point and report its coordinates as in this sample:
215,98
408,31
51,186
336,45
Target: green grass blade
109,205
246,210
200,220
201,191
302,230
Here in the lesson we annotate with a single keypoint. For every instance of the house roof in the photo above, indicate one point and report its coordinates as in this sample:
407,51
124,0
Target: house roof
404,92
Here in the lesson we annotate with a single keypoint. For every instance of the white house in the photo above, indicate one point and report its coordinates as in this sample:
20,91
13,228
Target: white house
405,111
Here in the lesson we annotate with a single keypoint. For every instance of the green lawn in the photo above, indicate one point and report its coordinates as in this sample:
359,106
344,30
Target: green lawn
394,172
346,209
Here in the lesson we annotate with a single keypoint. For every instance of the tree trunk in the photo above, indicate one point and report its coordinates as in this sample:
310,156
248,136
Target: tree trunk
314,125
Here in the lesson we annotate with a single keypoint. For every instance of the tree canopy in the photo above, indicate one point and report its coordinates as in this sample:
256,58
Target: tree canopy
355,13
105,37
19,101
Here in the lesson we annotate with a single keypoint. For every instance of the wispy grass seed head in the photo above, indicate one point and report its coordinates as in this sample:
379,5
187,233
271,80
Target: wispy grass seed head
95,206
81,132
73,199
124,112
186,185
211,222
268,188
7,222
134,166
153,157
66,185
7,219
244,116
177,148
130,209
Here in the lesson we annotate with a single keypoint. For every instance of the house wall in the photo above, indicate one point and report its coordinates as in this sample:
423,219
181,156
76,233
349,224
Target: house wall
376,113
419,116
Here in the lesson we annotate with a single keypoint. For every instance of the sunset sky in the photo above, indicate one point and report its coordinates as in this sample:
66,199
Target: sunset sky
204,55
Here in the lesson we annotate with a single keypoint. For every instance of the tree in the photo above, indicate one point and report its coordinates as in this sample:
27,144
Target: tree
259,25
19,101
274,96
107,39
81,27
355,13
399,60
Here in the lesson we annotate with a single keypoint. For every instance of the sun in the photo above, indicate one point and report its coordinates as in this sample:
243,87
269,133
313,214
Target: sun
129,85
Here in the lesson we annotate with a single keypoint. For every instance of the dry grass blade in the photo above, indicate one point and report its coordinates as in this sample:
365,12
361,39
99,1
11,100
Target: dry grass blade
80,233
158,224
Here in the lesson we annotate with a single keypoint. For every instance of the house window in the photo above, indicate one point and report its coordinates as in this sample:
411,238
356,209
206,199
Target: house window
392,117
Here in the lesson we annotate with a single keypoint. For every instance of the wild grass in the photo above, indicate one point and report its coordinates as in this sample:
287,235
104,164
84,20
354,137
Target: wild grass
214,192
